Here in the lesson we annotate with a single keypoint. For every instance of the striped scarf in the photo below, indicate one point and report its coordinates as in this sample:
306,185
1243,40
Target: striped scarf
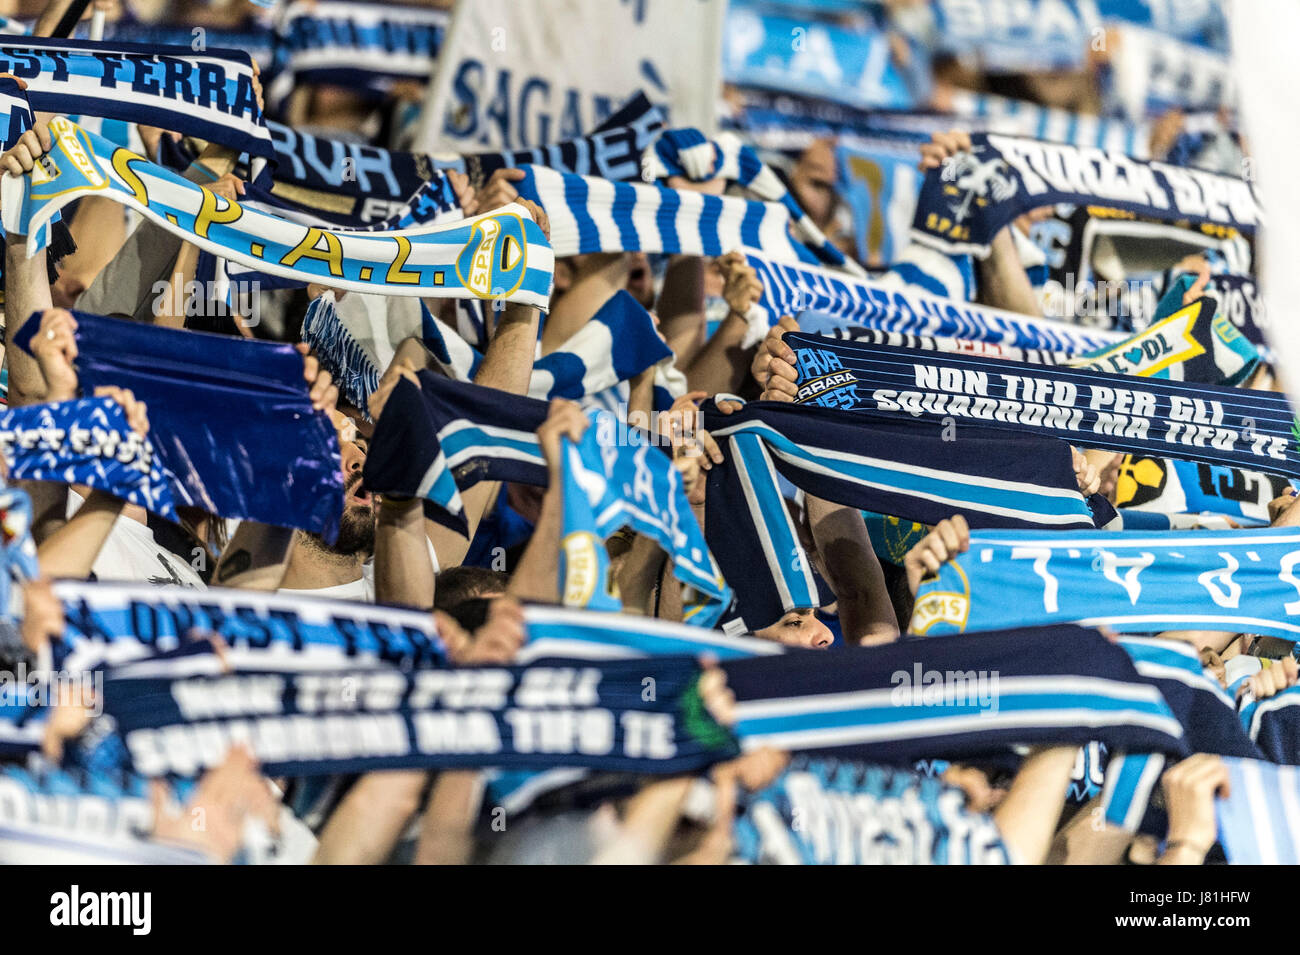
876,464
1230,426
789,289
1138,583
1259,819
364,47
952,698
1163,486
686,152
208,95
503,254
595,215
178,713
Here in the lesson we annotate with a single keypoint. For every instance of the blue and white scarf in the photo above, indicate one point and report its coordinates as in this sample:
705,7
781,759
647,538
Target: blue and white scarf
789,289
18,561
222,412
378,181
974,195
1232,426
1201,705
688,153
356,337
1136,582
179,714
990,113
208,95
361,46
1274,724
952,698
1259,820
500,255
999,480
838,812
829,326
617,477
86,441
595,215
110,623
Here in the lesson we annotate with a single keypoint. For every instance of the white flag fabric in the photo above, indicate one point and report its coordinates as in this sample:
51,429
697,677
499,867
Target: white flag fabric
515,75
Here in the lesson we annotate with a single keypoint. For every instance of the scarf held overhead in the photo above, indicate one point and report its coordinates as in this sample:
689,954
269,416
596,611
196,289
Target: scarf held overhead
1135,582
229,418
501,255
1201,422
968,200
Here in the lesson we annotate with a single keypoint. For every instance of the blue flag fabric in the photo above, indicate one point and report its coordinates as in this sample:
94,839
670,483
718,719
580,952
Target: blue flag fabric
1218,425
1134,582
967,201
86,441
229,418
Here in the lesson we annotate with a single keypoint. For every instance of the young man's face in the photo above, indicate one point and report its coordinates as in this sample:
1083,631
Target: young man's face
799,628
357,525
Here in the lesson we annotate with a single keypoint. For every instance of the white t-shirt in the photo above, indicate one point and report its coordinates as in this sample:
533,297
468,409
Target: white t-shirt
131,553
362,589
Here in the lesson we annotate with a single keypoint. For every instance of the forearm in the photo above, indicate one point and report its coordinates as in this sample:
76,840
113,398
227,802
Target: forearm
1003,280
370,819
681,307
27,291
170,302
447,829
537,577
648,824
853,572
602,275
71,550
256,557
508,363
403,570
638,573
1028,814
722,365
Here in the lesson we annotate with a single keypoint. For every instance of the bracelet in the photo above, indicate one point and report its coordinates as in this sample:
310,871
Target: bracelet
1184,844
394,502
212,177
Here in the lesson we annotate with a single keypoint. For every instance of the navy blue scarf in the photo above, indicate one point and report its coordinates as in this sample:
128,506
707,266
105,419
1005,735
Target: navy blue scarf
952,698
974,195
1197,421
178,713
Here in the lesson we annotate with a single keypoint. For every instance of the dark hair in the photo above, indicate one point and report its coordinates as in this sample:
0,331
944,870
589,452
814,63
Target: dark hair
455,585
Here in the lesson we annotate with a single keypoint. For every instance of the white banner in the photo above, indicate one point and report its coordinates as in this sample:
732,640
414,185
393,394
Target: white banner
514,75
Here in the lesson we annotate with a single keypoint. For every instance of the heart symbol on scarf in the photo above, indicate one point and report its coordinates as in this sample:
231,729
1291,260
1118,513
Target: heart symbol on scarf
1134,355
